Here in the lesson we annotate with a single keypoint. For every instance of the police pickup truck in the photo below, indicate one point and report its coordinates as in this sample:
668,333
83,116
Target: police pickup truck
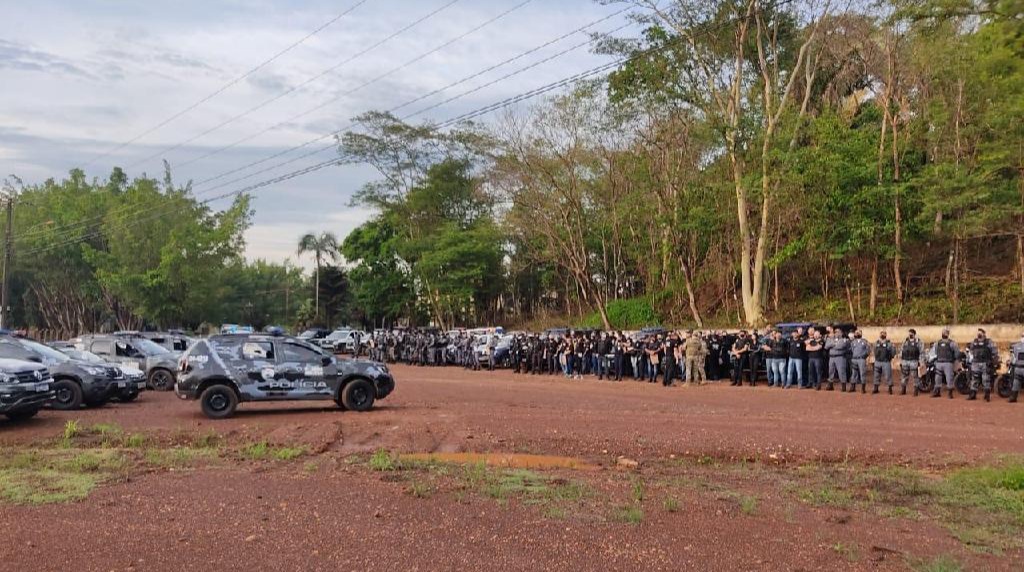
224,370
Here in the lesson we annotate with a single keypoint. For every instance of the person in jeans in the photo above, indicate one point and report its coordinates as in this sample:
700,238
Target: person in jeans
815,360
797,356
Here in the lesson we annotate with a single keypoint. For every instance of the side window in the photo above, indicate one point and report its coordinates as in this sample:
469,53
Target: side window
12,350
103,348
295,352
180,345
123,349
258,350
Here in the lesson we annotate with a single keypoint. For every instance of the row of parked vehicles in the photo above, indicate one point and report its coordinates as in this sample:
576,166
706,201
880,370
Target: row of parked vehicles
220,371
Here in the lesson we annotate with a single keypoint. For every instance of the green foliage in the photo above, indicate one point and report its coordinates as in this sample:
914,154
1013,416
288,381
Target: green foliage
625,314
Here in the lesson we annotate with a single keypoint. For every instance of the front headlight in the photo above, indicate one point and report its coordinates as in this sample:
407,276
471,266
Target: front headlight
97,371
7,378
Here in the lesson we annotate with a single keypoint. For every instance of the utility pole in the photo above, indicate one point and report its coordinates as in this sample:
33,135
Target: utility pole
5,300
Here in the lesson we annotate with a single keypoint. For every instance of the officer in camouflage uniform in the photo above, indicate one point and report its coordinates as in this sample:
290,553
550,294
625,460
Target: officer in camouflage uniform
945,351
859,351
912,358
884,352
837,345
1016,365
984,354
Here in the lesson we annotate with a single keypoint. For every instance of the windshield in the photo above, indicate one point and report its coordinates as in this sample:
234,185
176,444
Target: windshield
308,334
338,334
45,351
84,356
148,347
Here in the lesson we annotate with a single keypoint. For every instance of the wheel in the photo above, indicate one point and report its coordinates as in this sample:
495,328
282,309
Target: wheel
962,381
22,415
358,395
928,382
128,397
161,380
1004,385
218,401
68,395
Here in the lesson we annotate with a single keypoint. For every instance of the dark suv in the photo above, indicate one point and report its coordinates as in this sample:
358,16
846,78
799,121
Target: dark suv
132,349
25,388
75,382
224,370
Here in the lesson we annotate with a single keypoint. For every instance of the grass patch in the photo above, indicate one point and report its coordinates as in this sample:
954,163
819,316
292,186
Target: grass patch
383,460
671,505
256,451
827,495
56,476
135,441
638,491
748,505
848,552
420,489
629,514
178,457
288,453
942,563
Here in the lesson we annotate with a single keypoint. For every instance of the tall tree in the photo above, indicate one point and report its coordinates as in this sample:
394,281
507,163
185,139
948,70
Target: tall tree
323,247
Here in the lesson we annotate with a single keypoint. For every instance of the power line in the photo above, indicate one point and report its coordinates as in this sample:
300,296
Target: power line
227,85
292,89
70,228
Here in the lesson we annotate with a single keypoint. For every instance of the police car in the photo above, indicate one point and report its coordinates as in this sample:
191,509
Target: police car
224,370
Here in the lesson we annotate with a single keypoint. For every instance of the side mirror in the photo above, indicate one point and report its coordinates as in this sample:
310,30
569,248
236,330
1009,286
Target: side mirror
326,361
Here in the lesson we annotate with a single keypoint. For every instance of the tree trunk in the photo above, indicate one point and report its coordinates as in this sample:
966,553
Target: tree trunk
689,293
873,300
849,304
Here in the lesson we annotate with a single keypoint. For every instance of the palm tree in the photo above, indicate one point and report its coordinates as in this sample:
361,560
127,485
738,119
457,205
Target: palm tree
323,246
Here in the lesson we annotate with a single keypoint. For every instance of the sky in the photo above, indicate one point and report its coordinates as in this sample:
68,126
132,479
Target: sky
95,84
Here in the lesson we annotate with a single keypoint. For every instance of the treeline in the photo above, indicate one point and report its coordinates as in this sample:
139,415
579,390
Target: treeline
749,161
127,254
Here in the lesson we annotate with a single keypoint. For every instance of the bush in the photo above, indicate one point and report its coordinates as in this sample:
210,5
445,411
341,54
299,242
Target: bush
629,314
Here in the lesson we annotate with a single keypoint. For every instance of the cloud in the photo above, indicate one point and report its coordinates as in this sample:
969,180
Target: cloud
21,57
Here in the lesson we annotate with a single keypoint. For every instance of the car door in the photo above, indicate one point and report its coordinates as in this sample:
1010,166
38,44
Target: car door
306,367
260,367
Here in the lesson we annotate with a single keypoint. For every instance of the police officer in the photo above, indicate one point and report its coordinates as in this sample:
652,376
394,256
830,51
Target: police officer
884,351
837,346
693,350
912,358
945,352
1016,365
740,358
983,353
860,349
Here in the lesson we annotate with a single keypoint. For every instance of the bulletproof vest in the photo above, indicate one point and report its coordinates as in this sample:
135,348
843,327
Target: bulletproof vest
944,351
911,352
1018,351
980,351
883,351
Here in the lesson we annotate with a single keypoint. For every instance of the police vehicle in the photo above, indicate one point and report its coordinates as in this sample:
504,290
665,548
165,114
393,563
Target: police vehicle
224,370
133,349
75,382
25,388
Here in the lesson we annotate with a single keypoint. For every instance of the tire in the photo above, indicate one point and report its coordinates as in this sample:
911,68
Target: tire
1004,385
928,382
358,395
161,380
128,397
68,395
962,382
97,402
22,415
218,401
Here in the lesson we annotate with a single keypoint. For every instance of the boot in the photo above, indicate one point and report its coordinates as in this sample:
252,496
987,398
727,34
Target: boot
903,390
972,395
951,393
988,395
917,390
890,390
937,392
1013,396
817,387
842,387
831,387
874,391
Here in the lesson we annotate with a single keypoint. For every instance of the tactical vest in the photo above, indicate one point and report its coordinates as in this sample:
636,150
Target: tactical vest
980,351
883,351
944,351
911,352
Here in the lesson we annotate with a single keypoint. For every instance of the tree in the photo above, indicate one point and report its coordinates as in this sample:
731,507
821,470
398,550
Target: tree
322,246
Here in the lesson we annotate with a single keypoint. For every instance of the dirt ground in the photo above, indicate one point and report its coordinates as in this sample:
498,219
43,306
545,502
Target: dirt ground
726,479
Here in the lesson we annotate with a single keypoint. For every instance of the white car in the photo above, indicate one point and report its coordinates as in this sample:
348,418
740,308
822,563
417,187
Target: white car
341,340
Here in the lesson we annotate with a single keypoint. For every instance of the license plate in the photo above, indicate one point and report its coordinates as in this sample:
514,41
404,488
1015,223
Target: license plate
122,384
141,385
43,387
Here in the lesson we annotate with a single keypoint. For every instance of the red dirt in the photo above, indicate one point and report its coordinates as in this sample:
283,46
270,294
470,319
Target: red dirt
276,516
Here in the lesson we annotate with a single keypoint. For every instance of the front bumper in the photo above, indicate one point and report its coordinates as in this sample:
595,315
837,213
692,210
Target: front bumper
185,387
20,397
385,385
